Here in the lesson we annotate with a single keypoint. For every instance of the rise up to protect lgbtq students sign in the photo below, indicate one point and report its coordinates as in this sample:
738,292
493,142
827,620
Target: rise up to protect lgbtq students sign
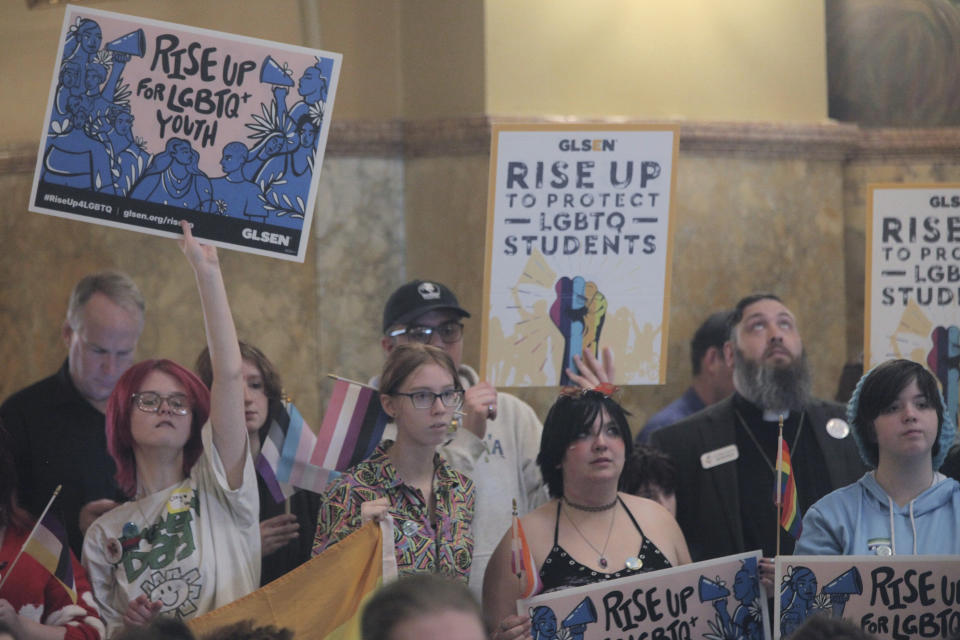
149,123
913,280
578,250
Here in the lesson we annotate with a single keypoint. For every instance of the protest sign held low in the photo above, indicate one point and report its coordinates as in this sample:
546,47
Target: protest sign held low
720,598
895,597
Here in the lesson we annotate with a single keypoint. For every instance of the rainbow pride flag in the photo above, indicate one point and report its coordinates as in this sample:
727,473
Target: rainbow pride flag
786,492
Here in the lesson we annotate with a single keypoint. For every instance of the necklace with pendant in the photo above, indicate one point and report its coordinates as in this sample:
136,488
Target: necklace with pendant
602,553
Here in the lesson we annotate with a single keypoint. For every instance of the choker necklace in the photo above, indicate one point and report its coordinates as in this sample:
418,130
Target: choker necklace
602,561
591,508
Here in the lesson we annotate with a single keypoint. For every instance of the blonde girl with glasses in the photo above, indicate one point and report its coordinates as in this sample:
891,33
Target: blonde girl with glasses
431,504
188,541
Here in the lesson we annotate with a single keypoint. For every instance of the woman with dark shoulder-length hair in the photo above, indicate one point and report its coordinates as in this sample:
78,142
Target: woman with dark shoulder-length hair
590,531
432,505
34,604
286,538
188,542
902,506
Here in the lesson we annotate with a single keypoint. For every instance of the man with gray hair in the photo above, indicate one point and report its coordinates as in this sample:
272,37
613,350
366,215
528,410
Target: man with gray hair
726,454
57,424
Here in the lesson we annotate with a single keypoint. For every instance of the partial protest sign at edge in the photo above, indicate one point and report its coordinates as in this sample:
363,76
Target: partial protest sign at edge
894,597
912,284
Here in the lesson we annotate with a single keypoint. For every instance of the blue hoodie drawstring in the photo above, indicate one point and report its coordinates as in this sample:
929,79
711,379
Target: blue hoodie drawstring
893,531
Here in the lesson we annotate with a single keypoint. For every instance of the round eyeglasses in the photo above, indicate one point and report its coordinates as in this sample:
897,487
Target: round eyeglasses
150,402
425,399
449,332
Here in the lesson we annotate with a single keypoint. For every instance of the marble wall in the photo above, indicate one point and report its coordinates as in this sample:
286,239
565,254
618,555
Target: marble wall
758,207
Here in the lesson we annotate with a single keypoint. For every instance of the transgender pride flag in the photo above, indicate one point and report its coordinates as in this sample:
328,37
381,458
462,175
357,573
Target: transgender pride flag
284,460
352,426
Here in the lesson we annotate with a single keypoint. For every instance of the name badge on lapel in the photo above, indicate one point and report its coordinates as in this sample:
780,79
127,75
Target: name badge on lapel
719,456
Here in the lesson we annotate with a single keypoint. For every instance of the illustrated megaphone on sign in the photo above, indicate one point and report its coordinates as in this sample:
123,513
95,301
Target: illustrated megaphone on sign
841,588
134,44
846,583
273,73
582,615
710,590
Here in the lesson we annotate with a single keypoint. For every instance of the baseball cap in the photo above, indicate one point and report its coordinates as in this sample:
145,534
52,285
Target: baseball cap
415,299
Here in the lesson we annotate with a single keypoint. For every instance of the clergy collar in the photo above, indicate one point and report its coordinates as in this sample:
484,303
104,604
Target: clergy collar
754,413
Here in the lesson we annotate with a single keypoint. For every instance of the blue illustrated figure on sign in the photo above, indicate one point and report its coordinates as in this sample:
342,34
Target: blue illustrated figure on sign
799,598
543,623
797,595
83,42
174,178
573,627
85,144
68,85
747,620
100,99
284,180
74,155
312,88
234,195
271,144
126,152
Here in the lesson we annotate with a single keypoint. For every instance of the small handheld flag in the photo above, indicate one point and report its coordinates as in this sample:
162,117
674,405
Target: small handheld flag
521,560
788,509
352,426
47,544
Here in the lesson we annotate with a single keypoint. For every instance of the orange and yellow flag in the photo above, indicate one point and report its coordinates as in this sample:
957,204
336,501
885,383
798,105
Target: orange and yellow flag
320,599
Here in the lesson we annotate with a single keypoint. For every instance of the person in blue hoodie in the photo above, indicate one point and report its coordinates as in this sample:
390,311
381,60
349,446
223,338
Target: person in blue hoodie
904,505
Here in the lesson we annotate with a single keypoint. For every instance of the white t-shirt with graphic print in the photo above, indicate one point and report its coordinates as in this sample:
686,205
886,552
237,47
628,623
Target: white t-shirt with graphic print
194,546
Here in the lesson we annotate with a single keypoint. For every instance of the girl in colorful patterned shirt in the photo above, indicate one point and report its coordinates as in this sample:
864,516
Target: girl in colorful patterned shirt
431,504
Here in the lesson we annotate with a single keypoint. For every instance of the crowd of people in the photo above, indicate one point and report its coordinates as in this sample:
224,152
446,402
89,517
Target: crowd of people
171,518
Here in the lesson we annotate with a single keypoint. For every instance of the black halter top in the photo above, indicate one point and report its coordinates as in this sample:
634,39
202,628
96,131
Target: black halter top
560,570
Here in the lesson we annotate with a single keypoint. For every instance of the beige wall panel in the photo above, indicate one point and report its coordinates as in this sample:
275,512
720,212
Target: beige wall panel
742,60
442,58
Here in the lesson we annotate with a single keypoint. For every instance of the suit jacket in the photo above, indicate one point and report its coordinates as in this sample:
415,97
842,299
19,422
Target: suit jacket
708,500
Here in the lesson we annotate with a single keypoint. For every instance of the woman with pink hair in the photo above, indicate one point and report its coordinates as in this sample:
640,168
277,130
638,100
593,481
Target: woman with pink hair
188,542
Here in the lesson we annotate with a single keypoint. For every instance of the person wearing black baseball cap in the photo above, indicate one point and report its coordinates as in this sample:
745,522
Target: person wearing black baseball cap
498,438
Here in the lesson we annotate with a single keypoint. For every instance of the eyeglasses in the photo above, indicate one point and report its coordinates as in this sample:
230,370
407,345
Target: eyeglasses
150,402
449,332
425,399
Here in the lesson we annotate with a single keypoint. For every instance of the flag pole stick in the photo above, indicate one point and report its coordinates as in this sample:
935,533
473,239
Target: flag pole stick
779,481
56,492
518,553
